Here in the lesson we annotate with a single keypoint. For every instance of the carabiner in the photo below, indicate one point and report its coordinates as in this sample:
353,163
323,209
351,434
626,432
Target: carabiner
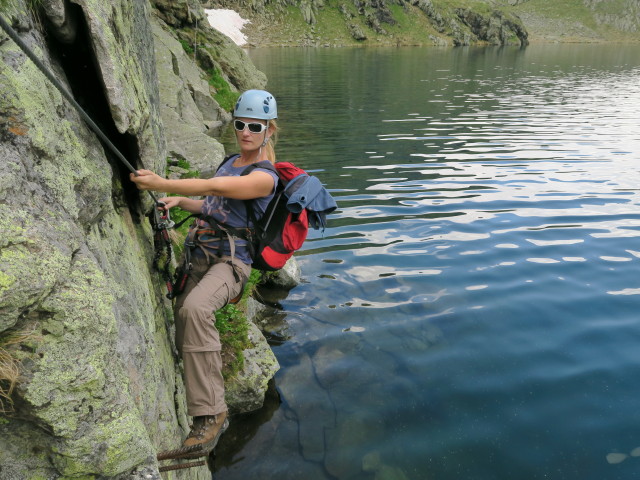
162,217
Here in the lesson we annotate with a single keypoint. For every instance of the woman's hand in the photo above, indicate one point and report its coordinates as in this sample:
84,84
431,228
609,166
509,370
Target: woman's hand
170,202
188,204
147,180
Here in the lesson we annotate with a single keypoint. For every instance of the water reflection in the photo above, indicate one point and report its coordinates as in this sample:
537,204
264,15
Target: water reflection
472,311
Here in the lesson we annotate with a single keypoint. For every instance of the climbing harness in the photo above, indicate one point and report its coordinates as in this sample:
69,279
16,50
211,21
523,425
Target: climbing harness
162,221
217,232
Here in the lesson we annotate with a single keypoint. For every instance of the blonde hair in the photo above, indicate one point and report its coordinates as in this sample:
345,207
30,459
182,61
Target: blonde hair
271,143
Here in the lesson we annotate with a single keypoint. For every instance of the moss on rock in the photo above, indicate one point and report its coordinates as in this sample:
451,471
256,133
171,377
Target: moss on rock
100,389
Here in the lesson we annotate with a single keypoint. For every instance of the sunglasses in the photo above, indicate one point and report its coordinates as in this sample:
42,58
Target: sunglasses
253,127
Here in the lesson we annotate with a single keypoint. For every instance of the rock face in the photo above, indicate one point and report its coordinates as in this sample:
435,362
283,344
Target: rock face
100,389
179,13
626,19
74,257
495,28
374,22
185,112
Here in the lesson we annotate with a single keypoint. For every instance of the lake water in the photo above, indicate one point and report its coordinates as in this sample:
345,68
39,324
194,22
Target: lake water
473,311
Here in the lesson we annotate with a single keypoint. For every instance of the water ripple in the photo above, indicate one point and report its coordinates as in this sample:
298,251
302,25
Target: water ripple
472,310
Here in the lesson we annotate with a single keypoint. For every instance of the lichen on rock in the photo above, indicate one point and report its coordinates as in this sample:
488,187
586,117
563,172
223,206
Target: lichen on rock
100,390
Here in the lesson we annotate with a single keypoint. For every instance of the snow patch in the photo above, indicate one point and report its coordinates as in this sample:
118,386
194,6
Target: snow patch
228,22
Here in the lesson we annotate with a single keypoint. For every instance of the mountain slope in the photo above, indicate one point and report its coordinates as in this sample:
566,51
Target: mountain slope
436,22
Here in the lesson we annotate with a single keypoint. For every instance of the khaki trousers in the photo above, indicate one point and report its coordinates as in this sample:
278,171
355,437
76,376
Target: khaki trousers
210,287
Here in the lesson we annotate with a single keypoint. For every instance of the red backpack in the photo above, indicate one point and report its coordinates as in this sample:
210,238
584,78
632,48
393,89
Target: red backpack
280,232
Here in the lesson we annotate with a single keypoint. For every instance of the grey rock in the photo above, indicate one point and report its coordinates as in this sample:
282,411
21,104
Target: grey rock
64,21
101,390
371,462
287,277
247,390
495,28
183,107
387,472
217,51
348,441
180,13
356,32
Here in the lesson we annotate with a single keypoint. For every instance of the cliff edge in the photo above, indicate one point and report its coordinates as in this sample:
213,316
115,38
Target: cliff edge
85,328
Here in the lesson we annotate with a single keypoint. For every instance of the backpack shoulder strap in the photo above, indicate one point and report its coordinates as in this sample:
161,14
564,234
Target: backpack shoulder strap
267,165
227,159
264,164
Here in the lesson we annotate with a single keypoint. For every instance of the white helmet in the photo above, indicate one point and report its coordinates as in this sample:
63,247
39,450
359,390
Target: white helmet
256,104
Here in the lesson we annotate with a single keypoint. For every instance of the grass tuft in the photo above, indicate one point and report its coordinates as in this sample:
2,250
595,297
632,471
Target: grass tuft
10,366
224,96
186,46
233,325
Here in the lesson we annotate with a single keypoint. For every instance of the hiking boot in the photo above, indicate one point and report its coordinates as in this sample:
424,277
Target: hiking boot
206,430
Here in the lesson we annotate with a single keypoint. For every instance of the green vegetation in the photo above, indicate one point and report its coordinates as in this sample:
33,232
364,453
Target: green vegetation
182,163
233,326
224,96
32,5
186,46
412,25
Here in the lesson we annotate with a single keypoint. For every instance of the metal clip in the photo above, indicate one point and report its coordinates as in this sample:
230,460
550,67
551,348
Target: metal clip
162,217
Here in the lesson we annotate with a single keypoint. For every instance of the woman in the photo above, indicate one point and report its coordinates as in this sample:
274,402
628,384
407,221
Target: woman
221,265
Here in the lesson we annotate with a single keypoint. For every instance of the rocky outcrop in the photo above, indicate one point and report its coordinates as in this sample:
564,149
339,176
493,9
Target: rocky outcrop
188,112
354,29
211,49
246,392
495,28
374,21
100,390
626,19
179,13
97,395
432,13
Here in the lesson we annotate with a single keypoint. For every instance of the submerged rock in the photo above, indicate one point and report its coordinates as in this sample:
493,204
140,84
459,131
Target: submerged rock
312,407
372,462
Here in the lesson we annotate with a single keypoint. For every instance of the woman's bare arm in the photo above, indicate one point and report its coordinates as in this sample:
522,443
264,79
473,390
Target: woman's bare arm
256,184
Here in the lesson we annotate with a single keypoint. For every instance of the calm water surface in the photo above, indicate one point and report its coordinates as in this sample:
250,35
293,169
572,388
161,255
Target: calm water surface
473,310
